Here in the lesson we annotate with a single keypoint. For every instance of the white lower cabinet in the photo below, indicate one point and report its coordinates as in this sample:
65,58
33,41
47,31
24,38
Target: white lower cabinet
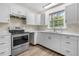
42,39
50,41
5,45
78,46
69,45
5,52
64,44
54,42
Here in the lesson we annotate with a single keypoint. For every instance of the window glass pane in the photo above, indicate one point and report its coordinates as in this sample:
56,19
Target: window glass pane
57,19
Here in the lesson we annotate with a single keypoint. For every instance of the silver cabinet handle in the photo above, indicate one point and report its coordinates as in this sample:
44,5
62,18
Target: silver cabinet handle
49,38
67,51
67,37
68,42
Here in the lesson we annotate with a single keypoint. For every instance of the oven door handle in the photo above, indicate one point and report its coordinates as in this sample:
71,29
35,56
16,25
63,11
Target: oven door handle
18,35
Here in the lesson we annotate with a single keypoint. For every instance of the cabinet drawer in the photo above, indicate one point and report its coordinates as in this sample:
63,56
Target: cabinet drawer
5,39
68,37
4,46
69,45
5,52
70,41
69,52
5,42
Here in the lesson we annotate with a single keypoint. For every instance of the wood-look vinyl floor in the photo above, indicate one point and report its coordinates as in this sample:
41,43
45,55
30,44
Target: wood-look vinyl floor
39,51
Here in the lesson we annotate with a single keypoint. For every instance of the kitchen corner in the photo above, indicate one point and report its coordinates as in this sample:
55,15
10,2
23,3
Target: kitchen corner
26,32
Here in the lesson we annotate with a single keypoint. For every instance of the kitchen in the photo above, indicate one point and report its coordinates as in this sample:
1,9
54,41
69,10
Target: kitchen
37,29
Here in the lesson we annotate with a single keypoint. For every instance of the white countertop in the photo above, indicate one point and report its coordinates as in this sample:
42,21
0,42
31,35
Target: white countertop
66,33
4,33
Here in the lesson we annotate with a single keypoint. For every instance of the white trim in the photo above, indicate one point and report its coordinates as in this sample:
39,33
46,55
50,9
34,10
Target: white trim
50,5
63,27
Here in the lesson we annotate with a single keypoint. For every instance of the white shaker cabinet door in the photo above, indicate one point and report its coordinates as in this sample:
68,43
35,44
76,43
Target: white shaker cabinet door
57,42
5,45
54,42
71,14
42,39
42,20
45,40
78,46
37,19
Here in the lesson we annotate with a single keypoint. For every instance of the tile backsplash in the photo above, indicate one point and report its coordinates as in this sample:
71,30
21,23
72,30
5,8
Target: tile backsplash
18,23
73,28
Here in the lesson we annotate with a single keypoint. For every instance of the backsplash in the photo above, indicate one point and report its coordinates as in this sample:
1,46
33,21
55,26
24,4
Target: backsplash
73,28
15,22
35,28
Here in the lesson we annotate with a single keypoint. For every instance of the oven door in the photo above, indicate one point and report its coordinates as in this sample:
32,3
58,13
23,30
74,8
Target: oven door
18,40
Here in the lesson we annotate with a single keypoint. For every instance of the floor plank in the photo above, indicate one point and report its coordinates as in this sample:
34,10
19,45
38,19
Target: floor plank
39,51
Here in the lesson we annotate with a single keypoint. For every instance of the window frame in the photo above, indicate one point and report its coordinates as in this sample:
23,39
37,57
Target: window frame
64,21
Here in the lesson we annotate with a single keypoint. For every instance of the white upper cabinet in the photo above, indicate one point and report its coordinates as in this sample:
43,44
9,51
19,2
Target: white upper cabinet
17,9
40,19
35,19
30,18
7,9
51,41
4,13
43,19
71,12
64,44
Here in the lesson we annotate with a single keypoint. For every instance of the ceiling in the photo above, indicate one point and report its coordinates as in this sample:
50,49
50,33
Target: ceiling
37,7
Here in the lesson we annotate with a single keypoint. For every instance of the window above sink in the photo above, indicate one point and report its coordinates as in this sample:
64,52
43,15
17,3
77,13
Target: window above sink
57,19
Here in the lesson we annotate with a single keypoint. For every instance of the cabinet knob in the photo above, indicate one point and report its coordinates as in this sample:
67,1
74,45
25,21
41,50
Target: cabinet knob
67,37
67,51
2,52
49,37
68,42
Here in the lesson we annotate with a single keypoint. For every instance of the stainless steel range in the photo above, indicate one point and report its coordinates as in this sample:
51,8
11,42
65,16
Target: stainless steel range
20,41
